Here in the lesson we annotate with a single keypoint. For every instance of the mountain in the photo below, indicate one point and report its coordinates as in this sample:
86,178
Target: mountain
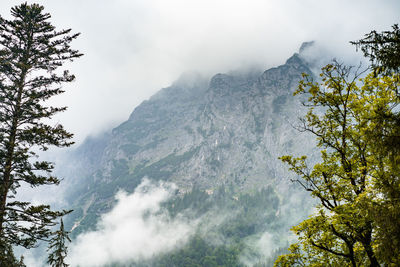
205,136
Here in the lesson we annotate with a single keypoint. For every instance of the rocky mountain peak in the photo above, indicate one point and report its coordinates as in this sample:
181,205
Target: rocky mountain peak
306,45
228,131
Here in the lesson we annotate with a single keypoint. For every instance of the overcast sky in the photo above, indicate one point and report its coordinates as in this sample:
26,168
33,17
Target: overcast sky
135,47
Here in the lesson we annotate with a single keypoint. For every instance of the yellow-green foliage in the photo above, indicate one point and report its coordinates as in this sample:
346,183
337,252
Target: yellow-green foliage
357,181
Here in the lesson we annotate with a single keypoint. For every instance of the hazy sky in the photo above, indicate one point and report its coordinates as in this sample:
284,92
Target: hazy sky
135,47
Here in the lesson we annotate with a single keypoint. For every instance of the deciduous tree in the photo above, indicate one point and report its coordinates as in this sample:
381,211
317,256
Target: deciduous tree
349,182
383,50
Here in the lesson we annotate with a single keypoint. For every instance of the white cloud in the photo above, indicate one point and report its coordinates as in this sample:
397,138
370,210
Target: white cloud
133,48
136,228
263,245
266,244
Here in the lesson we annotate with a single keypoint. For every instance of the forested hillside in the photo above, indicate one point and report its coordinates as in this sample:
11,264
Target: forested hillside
218,141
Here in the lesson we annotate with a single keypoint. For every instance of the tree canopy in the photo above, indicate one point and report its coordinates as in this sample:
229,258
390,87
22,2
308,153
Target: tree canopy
31,54
383,49
357,181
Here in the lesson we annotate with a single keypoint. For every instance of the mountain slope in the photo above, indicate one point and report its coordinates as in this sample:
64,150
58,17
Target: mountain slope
200,134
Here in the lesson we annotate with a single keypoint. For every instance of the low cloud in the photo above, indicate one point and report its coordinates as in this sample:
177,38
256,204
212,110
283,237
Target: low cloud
134,48
135,229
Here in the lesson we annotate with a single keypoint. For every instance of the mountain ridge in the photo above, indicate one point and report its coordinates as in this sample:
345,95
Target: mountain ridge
229,130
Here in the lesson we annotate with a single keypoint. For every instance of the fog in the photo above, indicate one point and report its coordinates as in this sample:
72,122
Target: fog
139,228
133,48
135,229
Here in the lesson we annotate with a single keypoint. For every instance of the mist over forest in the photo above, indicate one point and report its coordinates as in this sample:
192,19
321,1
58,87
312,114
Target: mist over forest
213,133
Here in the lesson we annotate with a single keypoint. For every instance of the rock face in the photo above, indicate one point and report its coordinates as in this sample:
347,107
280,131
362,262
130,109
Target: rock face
229,130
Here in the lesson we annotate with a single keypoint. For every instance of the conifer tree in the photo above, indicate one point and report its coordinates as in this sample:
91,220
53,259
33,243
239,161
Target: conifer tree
31,54
383,49
7,257
58,249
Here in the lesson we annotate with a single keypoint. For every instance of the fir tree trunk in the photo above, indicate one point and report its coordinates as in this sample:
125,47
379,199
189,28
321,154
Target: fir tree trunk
10,155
